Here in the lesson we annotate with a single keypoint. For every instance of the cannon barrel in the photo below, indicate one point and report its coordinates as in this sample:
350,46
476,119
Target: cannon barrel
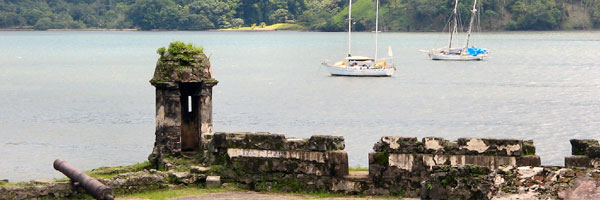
79,178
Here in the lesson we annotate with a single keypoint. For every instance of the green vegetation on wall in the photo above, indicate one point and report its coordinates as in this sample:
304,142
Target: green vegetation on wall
319,15
181,62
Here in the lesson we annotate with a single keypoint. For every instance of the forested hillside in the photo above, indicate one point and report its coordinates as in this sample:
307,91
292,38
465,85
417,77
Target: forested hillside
317,15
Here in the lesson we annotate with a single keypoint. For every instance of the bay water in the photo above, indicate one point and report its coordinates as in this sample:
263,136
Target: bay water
84,96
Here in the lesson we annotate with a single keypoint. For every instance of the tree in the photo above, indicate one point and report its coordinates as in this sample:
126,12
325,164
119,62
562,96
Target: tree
32,16
147,15
43,24
280,15
220,13
237,22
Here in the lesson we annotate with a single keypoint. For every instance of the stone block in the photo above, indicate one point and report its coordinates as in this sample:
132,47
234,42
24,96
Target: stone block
529,160
319,157
462,182
375,171
213,181
338,162
579,147
183,177
402,161
577,161
199,169
593,152
495,147
246,140
298,144
528,147
434,145
326,143
395,144
347,187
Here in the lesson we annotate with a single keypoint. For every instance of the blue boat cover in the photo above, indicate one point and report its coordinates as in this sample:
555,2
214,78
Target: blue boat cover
476,51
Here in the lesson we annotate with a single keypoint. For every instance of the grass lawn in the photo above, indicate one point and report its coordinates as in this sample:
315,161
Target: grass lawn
273,27
171,193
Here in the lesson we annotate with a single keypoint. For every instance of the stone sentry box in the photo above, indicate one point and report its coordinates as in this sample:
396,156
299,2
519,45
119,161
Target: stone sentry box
183,80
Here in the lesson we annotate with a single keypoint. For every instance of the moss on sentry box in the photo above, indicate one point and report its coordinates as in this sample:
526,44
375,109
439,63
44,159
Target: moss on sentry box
181,62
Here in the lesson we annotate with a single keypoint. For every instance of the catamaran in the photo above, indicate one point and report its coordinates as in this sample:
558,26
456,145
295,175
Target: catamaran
459,54
362,65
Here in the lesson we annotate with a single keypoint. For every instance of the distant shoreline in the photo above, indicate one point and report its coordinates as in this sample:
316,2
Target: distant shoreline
257,29
84,29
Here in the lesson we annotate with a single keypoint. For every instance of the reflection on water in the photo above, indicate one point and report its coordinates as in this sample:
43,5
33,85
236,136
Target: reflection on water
85,96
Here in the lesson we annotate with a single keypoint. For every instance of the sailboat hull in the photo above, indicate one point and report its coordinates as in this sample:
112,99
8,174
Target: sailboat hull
360,72
457,57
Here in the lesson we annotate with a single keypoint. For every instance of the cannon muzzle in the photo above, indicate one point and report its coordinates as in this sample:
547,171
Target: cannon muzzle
79,178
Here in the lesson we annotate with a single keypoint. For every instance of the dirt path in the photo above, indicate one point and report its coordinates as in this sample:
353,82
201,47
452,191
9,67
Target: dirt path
249,195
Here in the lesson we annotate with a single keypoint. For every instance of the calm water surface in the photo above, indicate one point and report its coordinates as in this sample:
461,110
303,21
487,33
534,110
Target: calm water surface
85,96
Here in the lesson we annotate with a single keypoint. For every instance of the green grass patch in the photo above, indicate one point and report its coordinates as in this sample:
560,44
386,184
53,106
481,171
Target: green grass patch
322,195
273,27
359,168
183,164
9,184
284,26
109,172
171,193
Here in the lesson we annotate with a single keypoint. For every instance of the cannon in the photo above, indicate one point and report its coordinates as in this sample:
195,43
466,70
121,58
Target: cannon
79,178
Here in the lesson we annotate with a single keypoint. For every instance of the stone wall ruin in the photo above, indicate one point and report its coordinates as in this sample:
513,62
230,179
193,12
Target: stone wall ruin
398,165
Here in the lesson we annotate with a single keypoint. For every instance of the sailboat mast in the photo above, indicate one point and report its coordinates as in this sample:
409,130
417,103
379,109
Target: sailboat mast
376,29
454,25
350,28
471,23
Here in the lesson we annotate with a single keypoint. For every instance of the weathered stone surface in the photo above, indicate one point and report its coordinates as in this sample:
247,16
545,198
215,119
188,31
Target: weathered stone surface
528,147
394,144
183,177
32,190
325,143
137,181
296,143
436,145
319,157
213,181
347,187
402,161
407,161
580,146
498,147
338,162
464,182
199,169
529,160
463,146
577,161
247,140
584,188
593,151
528,172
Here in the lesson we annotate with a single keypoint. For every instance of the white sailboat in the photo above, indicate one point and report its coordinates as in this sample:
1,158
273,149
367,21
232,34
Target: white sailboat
362,65
459,54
